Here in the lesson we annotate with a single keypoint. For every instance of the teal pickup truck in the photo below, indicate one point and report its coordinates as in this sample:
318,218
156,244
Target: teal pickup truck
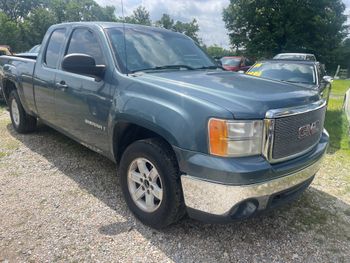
187,136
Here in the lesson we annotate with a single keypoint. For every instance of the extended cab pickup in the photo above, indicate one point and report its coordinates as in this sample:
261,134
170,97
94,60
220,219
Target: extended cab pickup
186,135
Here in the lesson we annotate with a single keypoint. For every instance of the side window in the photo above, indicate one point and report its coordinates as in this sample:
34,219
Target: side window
54,47
84,41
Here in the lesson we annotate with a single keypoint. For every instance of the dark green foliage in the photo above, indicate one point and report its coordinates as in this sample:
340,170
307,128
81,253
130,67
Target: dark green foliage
189,29
343,55
24,23
9,32
140,16
267,27
218,52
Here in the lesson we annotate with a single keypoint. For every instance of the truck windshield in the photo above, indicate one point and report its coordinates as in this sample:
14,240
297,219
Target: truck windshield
154,49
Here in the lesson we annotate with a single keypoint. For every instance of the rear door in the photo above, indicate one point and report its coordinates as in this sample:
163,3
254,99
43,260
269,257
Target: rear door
83,102
45,73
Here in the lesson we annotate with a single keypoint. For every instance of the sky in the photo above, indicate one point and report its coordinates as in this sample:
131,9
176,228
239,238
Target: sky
207,12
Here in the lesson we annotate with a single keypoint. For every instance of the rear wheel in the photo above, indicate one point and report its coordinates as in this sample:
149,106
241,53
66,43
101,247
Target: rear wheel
150,182
21,121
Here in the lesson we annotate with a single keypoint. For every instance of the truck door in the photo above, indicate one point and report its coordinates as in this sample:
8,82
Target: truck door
44,75
83,102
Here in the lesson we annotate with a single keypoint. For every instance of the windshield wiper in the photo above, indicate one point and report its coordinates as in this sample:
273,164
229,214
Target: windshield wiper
164,67
300,82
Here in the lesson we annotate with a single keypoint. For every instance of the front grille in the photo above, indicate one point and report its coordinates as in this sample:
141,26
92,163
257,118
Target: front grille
287,139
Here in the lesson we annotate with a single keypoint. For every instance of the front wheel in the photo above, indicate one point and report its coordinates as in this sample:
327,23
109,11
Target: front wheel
21,121
150,182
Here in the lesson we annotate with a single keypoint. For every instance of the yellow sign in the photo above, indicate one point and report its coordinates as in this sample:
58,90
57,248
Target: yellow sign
255,73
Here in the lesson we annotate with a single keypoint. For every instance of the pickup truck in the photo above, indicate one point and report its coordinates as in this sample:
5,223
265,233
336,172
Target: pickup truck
187,136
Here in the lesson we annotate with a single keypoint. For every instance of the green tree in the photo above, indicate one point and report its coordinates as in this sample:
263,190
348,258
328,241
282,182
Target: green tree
23,23
343,55
140,16
217,52
36,25
9,32
267,27
19,9
80,10
166,22
190,29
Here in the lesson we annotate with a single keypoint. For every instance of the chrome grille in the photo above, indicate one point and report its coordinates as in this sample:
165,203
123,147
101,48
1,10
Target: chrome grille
291,132
287,141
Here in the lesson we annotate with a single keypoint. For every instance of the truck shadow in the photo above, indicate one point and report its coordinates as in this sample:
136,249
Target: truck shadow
315,217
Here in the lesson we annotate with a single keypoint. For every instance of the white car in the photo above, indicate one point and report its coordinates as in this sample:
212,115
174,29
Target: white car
295,56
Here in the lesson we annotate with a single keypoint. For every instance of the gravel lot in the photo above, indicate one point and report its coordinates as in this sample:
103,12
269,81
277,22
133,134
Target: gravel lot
62,202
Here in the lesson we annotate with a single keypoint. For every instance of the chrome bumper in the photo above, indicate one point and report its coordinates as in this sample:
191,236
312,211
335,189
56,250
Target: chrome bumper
219,199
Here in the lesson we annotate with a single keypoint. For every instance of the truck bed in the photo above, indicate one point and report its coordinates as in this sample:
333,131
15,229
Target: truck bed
20,70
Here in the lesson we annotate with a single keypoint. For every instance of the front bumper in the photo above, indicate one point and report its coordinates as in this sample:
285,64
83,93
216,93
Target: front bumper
219,201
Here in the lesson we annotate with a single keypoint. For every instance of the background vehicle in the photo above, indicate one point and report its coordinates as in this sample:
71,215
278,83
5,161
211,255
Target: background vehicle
32,53
296,56
4,51
306,73
35,49
236,63
186,135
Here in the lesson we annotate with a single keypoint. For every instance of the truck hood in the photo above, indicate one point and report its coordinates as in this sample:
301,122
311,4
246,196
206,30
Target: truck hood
246,97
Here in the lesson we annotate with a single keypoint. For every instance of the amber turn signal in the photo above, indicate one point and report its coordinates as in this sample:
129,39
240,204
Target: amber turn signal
218,137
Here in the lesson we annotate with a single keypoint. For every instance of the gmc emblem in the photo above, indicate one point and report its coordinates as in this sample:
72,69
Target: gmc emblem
308,130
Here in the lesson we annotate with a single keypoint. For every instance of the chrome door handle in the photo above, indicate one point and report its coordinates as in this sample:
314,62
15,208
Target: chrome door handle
62,85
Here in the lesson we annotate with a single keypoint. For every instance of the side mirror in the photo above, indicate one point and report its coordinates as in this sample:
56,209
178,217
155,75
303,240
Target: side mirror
82,64
327,79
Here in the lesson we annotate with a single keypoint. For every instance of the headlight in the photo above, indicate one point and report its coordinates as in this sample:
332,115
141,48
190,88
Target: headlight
235,138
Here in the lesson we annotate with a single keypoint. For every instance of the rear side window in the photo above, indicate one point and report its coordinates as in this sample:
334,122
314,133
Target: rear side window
84,41
54,47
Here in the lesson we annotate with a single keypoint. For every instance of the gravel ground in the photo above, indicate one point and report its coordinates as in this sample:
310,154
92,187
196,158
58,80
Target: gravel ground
62,202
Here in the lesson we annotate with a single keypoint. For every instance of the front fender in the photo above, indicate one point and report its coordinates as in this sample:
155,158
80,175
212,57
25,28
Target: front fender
179,119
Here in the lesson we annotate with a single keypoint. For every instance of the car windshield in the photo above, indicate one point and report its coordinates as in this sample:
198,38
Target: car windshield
156,49
291,56
233,62
290,72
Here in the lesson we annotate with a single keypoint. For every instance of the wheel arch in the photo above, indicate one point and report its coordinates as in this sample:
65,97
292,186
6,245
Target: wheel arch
126,132
8,86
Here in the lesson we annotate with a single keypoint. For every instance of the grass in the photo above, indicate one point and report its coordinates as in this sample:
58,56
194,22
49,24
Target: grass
336,122
340,87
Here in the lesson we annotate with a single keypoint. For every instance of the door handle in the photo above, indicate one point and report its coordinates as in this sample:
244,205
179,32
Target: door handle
62,85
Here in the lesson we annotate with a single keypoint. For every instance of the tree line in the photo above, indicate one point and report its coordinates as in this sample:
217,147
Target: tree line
23,24
263,28
257,28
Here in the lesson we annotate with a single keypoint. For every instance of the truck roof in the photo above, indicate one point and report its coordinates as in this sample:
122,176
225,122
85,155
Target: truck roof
105,25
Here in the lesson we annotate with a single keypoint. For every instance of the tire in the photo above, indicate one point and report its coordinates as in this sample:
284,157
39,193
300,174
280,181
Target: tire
170,207
21,121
